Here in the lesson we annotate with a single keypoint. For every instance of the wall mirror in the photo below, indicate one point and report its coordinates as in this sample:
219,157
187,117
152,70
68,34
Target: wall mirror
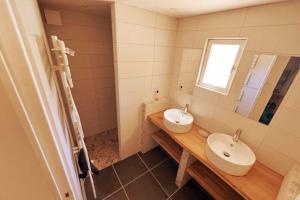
267,82
187,61
258,88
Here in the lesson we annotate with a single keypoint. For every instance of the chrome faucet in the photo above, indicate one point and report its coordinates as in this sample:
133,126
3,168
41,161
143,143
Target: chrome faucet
185,108
237,135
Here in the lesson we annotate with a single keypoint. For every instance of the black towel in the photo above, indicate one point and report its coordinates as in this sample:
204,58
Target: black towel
83,165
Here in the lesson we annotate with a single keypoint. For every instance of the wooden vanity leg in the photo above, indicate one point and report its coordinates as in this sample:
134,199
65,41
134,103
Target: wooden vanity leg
185,161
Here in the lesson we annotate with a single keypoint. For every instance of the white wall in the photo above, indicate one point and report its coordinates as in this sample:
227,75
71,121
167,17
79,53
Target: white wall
31,88
143,54
20,171
273,28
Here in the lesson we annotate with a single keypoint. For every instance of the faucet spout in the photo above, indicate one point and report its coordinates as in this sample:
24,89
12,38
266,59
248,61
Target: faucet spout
237,135
185,108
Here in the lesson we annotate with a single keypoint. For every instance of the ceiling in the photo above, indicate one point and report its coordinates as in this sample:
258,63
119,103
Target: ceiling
99,7
185,8
174,8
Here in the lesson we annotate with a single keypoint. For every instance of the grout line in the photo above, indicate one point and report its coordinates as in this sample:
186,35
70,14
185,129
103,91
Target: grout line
161,162
139,176
174,193
112,193
120,181
153,176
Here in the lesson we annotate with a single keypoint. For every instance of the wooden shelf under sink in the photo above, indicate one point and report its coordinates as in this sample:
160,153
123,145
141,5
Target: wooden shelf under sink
214,185
261,182
169,145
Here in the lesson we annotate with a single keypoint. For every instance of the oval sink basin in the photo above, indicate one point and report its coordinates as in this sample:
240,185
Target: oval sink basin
234,158
177,121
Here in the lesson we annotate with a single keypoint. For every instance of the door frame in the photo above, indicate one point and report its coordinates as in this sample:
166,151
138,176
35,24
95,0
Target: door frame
33,106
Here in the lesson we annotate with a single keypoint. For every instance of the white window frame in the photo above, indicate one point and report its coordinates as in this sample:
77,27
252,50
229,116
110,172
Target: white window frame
199,83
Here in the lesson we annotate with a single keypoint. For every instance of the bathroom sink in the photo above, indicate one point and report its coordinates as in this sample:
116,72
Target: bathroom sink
178,121
234,158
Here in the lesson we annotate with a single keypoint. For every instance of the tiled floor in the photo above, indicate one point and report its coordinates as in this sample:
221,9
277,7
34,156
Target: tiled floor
103,148
149,176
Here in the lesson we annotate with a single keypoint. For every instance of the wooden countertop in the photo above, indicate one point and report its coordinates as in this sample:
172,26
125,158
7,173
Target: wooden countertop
261,183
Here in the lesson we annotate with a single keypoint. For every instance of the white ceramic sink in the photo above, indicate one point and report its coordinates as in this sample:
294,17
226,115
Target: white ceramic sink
234,158
178,121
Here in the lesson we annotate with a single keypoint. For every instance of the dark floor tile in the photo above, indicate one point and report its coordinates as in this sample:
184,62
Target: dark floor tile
130,168
120,195
145,188
166,175
106,183
153,157
191,191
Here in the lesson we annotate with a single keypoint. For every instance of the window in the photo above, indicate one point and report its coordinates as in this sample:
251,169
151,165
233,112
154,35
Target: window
219,64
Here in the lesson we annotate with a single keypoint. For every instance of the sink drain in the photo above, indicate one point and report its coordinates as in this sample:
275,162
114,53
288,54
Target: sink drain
177,122
226,154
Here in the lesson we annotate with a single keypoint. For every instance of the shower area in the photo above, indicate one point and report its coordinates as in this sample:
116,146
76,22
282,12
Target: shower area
85,27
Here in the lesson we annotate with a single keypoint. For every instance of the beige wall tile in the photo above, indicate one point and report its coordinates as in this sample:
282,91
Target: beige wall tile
107,93
104,83
186,39
226,19
286,119
101,48
103,72
134,69
83,84
133,52
165,38
166,22
98,60
206,95
134,98
203,35
288,39
130,142
87,106
203,112
162,53
293,98
83,95
272,14
81,73
134,15
90,129
97,35
160,81
134,84
81,47
91,67
80,60
160,68
271,157
74,32
188,24
285,143
135,34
